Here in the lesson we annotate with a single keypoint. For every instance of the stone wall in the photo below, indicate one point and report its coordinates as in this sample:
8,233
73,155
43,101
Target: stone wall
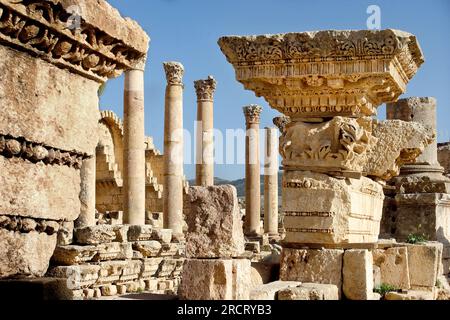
50,73
107,260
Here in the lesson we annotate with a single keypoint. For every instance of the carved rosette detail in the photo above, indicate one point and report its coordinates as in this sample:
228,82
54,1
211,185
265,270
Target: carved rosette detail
252,113
11,147
174,73
41,27
205,88
26,225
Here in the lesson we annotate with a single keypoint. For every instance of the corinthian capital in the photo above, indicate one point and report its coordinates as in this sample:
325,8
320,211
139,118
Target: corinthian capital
205,88
252,113
174,72
281,122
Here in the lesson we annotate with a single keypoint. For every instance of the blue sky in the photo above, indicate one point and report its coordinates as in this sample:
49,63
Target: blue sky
187,31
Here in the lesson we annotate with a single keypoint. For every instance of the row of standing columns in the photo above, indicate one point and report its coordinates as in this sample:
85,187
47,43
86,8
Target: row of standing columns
252,226
134,157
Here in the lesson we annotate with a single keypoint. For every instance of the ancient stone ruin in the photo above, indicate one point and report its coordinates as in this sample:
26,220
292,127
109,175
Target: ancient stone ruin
91,209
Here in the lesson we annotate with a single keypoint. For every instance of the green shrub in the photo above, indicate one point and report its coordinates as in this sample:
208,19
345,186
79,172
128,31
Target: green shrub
385,288
414,238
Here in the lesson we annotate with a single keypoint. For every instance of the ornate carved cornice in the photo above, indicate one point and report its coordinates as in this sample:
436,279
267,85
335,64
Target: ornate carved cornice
11,147
42,28
326,73
252,113
26,225
205,88
174,73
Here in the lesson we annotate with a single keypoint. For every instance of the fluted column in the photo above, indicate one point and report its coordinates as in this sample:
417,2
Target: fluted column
87,194
271,183
252,171
134,151
173,149
205,125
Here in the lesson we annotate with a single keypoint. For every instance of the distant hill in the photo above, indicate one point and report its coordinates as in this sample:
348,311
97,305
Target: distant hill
240,184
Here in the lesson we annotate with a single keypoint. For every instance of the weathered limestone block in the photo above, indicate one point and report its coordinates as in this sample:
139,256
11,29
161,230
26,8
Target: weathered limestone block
65,233
393,264
77,277
310,291
169,249
148,248
402,143
358,275
109,290
215,279
345,211
29,188
166,268
423,264
140,233
270,290
131,271
312,266
25,254
72,254
121,233
163,235
114,251
150,267
410,295
422,213
214,222
93,235
110,271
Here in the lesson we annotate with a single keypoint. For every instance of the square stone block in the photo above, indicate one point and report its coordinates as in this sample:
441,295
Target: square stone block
393,264
215,279
423,263
344,211
214,222
358,275
93,235
312,266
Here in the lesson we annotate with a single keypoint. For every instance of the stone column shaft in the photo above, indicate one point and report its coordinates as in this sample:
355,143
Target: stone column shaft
423,111
205,134
134,151
252,172
87,194
271,182
173,150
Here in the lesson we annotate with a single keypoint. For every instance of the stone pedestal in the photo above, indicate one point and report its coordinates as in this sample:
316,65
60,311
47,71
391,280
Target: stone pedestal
252,225
205,134
48,123
134,148
418,201
173,149
271,183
